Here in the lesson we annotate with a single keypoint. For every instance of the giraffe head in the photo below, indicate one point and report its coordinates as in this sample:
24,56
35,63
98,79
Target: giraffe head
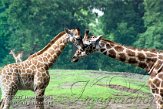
74,37
90,45
11,51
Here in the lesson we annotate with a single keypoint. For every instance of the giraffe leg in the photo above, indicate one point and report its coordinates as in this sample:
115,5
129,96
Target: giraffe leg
7,98
39,99
158,97
6,102
159,101
1,104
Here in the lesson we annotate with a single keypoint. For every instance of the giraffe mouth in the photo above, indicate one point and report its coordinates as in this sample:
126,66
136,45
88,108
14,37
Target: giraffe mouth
74,59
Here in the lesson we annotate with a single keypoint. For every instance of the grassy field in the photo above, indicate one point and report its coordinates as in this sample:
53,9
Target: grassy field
68,86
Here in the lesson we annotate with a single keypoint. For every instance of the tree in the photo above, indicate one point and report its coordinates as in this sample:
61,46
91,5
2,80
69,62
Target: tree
32,23
153,19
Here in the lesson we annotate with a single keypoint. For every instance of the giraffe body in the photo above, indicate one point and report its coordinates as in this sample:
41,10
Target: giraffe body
22,76
32,74
150,60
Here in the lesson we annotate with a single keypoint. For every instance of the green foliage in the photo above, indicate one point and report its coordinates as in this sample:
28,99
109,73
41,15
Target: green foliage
153,19
29,25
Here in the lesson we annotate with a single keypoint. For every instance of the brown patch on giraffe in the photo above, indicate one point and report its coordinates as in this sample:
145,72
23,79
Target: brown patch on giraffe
4,81
150,55
153,74
14,74
156,82
151,84
55,47
51,51
9,73
39,78
155,91
148,60
7,77
49,56
142,65
102,49
62,47
130,47
151,62
111,44
40,59
159,63
45,59
119,48
29,71
32,67
122,57
38,74
44,74
161,82
58,53
130,53
161,92
112,53
161,77
45,54
153,50
160,57
28,62
105,52
40,65
108,46
93,48
132,60
141,56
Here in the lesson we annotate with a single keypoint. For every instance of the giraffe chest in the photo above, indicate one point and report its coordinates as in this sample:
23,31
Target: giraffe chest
26,81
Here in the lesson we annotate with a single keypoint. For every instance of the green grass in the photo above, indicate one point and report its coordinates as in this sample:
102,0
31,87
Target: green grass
82,84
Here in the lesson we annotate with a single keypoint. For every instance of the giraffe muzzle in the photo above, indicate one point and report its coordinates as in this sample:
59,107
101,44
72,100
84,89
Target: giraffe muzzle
74,59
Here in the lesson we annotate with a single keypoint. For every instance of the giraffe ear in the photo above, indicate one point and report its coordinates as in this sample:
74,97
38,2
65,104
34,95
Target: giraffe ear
78,29
67,30
86,34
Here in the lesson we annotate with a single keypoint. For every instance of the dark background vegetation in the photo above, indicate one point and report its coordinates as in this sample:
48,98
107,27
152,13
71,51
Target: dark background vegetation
29,25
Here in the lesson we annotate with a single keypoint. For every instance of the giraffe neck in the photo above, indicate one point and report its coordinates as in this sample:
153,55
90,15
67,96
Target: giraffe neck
13,54
51,51
139,57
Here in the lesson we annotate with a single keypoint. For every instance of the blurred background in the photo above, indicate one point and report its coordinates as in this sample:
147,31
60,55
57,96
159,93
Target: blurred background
28,25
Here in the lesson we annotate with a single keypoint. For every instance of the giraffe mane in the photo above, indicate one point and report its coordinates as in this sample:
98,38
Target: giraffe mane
48,45
131,47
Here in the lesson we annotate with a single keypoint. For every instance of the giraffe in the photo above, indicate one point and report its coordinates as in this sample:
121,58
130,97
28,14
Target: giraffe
150,60
32,74
17,57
